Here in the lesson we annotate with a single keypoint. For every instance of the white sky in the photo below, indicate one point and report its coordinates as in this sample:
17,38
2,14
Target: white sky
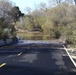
27,3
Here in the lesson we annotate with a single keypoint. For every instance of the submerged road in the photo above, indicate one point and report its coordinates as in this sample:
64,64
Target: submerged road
35,59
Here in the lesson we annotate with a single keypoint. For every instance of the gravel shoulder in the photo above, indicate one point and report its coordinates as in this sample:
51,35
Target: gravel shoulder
72,52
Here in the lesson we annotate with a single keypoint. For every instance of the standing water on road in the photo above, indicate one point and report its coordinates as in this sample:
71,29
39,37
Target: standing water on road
33,36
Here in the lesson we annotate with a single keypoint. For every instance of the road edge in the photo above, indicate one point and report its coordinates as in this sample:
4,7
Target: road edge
69,55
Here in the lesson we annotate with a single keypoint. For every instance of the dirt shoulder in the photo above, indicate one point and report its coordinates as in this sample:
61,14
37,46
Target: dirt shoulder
72,52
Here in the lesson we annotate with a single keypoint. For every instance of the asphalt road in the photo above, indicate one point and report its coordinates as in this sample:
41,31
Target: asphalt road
35,59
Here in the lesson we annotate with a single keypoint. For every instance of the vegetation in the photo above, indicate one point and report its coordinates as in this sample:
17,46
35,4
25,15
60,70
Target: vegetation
58,21
9,14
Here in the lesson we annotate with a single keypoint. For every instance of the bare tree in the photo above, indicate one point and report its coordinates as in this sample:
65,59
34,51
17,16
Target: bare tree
75,2
5,8
28,10
43,6
58,1
69,1
55,2
8,13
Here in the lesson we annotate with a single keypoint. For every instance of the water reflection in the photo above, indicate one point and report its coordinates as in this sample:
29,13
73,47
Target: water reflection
33,36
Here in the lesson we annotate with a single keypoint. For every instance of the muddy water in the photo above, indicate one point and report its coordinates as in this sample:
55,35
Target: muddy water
33,36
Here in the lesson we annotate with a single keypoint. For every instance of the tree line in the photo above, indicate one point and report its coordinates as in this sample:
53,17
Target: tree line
9,14
58,21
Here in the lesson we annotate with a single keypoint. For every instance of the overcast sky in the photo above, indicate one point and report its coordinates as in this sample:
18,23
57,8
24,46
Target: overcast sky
28,3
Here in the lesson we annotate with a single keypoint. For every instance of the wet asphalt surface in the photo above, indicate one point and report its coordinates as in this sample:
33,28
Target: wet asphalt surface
36,59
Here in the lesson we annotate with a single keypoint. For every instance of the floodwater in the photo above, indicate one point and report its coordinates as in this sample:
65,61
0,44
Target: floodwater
33,36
